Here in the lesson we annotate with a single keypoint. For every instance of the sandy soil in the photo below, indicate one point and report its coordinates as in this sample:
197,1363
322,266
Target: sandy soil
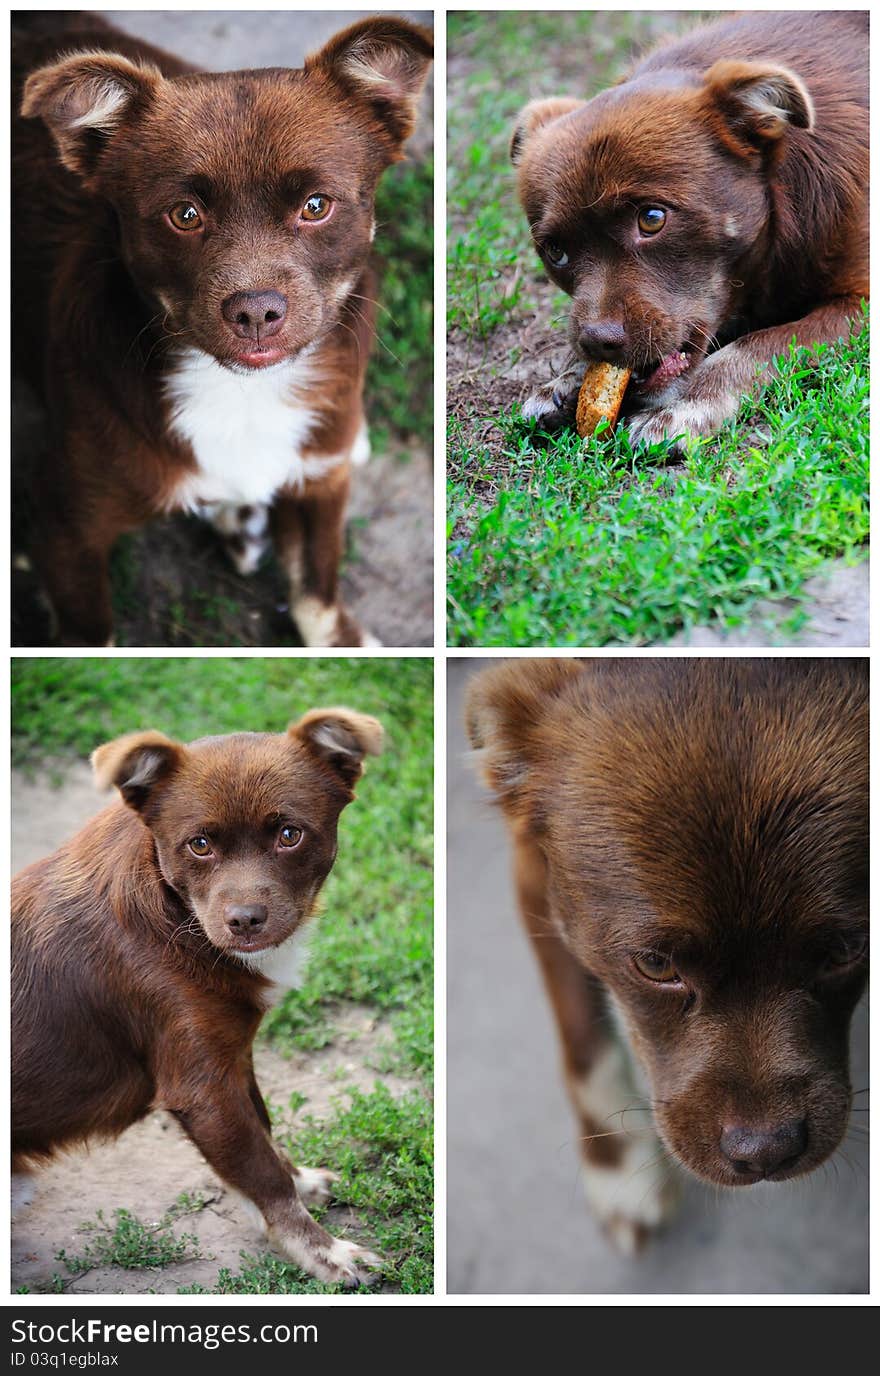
147,1168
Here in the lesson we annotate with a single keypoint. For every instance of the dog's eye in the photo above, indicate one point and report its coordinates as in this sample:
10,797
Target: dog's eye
200,846
185,216
316,208
847,951
652,219
656,967
556,255
290,837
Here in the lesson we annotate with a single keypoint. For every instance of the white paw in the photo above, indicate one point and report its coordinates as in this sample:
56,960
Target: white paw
694,405
553,404
634,1190
314,1185
370,641
350,1264
635,1198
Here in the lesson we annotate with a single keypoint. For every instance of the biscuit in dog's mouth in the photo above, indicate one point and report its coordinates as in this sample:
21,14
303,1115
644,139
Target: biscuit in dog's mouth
669,368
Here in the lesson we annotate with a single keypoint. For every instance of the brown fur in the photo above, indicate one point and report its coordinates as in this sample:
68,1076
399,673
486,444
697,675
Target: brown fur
130,987
752,133
714,812
107,292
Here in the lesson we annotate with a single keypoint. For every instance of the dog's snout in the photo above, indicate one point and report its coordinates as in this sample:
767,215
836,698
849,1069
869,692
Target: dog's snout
605,340
245,917
255,314
761,1151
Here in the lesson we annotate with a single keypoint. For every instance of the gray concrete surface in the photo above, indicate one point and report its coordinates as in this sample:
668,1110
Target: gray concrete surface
221,40
517,1221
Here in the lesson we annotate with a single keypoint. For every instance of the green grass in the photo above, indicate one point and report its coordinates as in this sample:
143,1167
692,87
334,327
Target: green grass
400,381
130,1244
372,944
589,545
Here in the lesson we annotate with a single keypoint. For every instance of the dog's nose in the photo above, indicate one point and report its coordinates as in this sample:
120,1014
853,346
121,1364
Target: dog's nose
605,340
245,917
254,314
760,1151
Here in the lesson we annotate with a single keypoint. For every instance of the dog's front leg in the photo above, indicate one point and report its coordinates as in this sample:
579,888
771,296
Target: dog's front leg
227,1127
314,1185
308,531
75,571
701,400
628,1179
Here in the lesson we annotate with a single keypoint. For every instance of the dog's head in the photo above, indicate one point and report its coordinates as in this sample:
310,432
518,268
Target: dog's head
244,200
647,202
704,828
244,826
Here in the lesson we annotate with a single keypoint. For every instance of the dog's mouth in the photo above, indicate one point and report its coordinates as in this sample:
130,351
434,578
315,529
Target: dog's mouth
672,365
245,945
255,356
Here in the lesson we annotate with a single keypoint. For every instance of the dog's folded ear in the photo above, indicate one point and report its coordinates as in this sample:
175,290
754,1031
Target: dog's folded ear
340,737
505,709
135,764
535,115
385,60
83,99
758,103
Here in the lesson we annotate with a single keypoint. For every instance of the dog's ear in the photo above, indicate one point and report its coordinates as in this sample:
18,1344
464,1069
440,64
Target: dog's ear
83,99
385,60
758,103
535,116
136,764
505,709
340,738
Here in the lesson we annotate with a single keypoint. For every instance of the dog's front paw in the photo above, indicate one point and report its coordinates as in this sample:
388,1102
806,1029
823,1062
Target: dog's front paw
332,1260
554,403
683,420
697,403
351,1265
634,1198
314,1185
328,626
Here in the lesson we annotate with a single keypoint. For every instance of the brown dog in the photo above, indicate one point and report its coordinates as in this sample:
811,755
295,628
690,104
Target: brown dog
704,211
193,297
145,951
691,846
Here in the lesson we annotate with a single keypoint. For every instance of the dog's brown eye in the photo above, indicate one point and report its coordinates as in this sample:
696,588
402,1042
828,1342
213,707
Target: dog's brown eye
847,952
555,255
200,845
656,967
185,216
652,219
289,837
316,208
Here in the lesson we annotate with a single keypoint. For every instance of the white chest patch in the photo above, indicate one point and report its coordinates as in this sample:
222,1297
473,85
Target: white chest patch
284,966
246,430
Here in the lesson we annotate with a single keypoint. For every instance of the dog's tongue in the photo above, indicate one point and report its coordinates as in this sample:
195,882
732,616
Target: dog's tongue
672,366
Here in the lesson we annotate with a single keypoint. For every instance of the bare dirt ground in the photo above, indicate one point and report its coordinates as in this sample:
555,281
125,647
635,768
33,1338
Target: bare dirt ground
172,582
153,1163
